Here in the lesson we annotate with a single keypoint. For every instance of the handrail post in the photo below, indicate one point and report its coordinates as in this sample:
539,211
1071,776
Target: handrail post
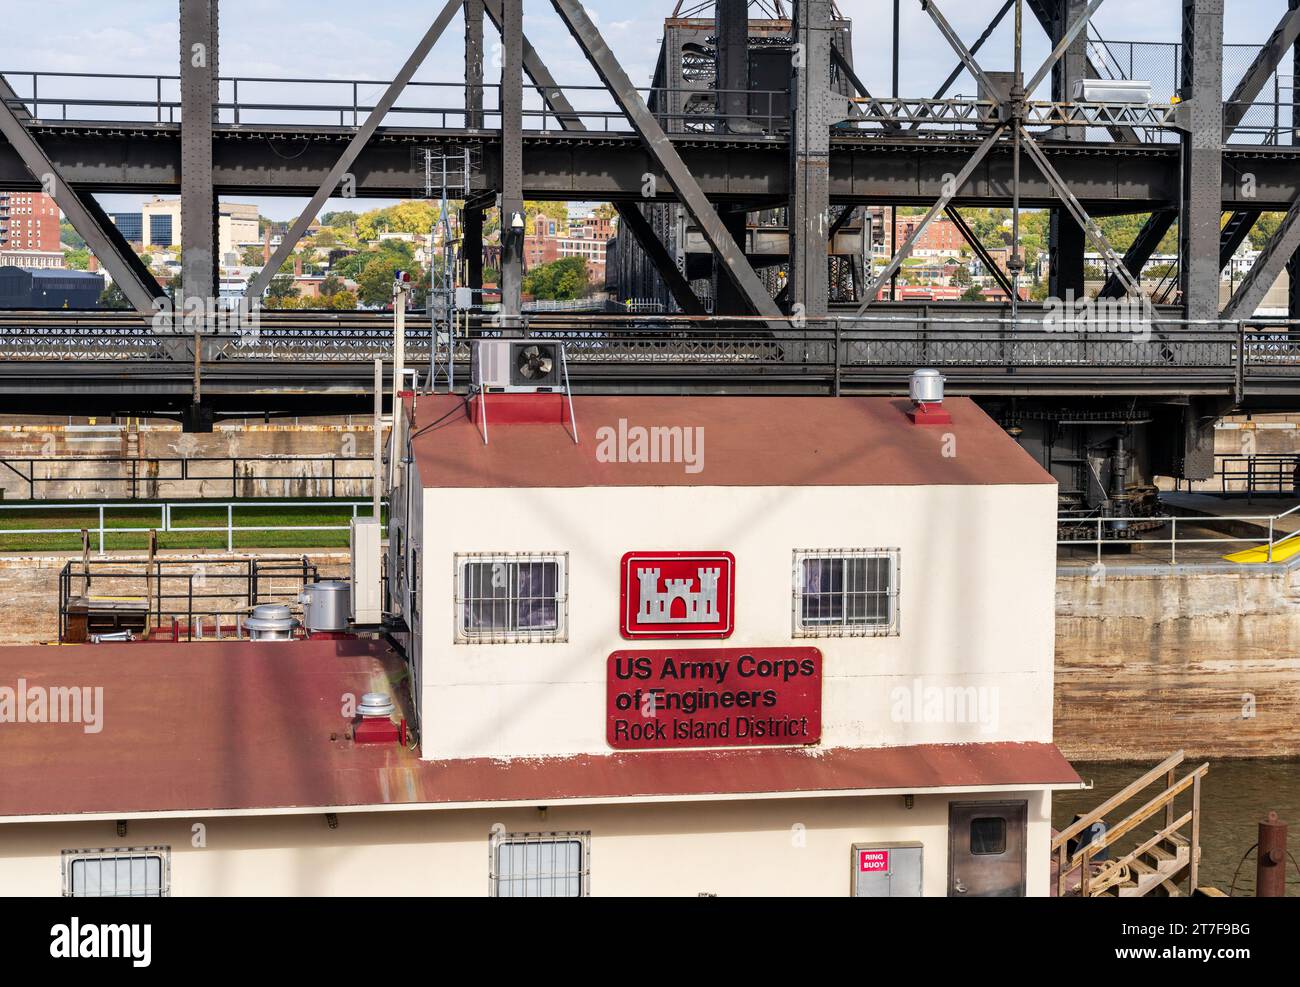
230,527
1173,540
101,529
1194,851
1060,871
1169,807
1270,538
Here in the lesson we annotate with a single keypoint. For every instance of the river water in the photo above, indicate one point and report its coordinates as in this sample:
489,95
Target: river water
1235,796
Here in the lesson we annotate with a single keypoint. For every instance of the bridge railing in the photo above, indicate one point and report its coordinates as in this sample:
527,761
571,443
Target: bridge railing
1226,357
252,101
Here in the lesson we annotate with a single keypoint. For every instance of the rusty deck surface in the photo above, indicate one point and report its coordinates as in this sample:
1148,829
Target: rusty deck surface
241,725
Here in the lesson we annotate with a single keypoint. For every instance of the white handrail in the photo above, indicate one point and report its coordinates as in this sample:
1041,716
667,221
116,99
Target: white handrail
166,523
1099,523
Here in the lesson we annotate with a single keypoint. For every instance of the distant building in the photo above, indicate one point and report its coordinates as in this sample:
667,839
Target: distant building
158,224
940,238
161,230
41,259
585,238
24,288
130,225
29,221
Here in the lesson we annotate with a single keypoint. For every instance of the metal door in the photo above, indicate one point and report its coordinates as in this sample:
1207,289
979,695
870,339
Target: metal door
986,849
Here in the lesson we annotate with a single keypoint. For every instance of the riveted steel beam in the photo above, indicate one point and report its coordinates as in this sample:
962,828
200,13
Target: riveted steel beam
359,140
540,75
199,72
810,149
512,158
474,64
660,148
1268,266
1140,250
1201,215
139,291
950,190
981,251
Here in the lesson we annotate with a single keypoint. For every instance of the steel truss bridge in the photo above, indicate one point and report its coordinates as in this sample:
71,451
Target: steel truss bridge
291,361
713,139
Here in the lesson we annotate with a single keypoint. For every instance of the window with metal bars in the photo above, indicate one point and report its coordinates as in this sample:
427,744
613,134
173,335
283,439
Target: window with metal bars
511,598
539,865
846,593
137,872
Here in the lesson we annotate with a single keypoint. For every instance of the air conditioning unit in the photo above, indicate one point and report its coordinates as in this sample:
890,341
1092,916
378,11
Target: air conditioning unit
518,365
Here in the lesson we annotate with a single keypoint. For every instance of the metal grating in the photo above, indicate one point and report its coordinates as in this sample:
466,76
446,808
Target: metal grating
136,872
846,593
539,865
511,597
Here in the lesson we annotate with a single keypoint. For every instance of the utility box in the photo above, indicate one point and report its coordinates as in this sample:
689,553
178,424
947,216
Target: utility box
367,576
886,870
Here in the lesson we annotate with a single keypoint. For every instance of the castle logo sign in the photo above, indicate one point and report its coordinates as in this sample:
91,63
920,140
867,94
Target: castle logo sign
677,594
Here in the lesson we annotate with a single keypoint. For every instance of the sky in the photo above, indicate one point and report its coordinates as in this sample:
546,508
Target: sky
342,39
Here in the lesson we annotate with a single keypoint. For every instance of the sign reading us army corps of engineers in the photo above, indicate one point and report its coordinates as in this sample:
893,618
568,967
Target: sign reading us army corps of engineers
677,594
714,697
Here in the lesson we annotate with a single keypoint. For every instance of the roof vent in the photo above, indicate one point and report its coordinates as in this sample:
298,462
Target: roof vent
271,622
377,727
925,387
376,704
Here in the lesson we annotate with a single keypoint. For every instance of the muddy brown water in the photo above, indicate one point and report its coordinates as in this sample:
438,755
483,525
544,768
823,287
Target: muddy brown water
1235,796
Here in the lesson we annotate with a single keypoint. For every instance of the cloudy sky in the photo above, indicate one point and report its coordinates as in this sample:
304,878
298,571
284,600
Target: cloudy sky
327,39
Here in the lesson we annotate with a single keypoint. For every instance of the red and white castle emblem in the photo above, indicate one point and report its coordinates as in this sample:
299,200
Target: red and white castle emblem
677,594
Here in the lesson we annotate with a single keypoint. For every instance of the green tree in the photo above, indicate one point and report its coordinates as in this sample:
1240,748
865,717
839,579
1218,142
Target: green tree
375,283
281,291
559,280
77,260
340,220
69,235
112,297
251,256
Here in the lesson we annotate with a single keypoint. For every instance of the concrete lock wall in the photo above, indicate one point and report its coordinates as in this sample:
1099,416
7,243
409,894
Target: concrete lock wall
1205,660
975,606
743,847
149,443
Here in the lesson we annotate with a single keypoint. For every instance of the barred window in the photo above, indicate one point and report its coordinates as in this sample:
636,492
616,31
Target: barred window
508,598
846,593
539,865
138,872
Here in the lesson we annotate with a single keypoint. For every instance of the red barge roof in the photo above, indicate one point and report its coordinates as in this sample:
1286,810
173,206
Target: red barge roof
241,726
748,441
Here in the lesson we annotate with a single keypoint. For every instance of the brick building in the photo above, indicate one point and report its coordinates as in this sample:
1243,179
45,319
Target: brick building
29,221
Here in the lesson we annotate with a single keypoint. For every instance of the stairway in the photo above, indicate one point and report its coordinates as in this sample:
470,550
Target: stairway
1152,868
1156,871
